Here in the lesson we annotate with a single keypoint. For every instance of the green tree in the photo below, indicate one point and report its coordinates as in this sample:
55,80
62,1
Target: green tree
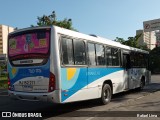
120,40
3,66
154,60
47,20
132,42
144,47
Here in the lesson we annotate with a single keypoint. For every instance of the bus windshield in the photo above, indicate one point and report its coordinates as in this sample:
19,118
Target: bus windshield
33,44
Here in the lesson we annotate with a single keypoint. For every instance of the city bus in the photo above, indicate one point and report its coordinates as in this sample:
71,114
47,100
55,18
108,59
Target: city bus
57,65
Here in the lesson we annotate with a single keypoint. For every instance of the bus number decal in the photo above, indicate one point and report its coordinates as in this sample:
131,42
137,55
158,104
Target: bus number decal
35,71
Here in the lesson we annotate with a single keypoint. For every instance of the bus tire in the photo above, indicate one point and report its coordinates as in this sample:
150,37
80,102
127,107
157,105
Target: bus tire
106,94
142,83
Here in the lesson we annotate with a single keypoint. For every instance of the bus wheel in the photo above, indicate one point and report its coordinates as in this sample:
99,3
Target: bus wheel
106,94
142,83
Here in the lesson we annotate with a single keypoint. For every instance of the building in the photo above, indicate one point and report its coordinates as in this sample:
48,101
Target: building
158,37
148,38
4,31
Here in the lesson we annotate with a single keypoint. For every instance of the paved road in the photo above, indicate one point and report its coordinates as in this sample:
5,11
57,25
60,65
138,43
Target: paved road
86,108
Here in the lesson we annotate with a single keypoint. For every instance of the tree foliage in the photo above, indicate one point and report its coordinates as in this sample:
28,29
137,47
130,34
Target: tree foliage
120,40
3,67
132,42
154,53
47,20
155,60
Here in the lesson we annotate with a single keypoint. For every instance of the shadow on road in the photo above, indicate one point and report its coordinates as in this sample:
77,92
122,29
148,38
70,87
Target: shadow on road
54,110
69,109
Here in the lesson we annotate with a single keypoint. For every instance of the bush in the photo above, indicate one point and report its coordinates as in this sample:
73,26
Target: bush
3,84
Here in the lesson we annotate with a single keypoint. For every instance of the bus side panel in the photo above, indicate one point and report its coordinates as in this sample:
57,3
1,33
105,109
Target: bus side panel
148,77
73,80
135,76
77,88
97,77
55,64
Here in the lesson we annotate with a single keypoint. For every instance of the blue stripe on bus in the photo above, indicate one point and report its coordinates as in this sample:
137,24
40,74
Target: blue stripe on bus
17,73
84,78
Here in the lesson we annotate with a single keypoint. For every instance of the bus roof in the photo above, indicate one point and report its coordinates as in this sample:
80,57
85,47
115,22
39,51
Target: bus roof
96,39
79,35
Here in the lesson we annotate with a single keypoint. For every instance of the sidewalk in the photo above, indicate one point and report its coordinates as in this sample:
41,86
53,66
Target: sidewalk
146,107
143,108
150,102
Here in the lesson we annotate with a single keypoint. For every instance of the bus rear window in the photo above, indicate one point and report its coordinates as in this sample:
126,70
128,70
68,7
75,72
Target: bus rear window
29,44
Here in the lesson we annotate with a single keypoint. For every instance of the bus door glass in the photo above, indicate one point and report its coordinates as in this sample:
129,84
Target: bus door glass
127,71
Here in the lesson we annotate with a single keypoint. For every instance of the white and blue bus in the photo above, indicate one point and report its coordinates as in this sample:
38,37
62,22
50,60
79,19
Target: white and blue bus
59,65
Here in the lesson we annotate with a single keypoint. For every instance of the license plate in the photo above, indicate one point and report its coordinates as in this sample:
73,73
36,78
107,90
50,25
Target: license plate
24,83
27,87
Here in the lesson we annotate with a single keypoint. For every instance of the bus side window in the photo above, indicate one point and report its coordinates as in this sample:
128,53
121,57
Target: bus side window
108,56
67,51
100,54
115,57
79,52
91,54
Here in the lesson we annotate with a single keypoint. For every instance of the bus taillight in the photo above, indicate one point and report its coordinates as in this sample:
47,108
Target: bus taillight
9,83
52,82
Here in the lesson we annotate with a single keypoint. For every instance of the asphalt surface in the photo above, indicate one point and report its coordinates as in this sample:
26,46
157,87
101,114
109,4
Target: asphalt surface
127,101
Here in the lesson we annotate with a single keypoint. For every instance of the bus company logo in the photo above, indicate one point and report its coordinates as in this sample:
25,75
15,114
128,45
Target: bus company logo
6,114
